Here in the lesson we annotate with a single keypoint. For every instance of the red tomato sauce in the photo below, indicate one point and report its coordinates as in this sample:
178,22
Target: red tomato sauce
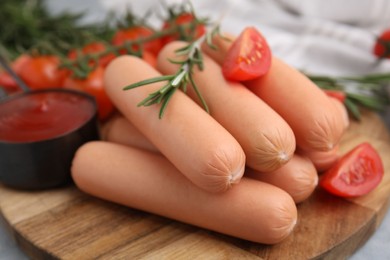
43,115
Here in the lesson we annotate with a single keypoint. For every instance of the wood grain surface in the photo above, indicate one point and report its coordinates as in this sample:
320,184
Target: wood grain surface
68,224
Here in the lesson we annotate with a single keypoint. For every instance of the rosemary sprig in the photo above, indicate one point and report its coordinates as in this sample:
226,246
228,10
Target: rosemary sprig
77,66
367,91
184,75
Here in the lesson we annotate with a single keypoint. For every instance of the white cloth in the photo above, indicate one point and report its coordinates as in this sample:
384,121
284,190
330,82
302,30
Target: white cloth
322,37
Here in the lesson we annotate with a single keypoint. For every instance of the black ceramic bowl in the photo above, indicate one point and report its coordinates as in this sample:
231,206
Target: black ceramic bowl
40,132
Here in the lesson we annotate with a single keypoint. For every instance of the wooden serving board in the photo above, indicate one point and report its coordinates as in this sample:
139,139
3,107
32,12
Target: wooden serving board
68,224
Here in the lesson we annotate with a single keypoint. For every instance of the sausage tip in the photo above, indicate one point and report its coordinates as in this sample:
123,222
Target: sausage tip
330,146
315,181
284,156
285,220
235,177
292,225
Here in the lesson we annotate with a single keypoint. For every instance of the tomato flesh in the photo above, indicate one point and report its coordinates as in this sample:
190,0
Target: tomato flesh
248,58
355,174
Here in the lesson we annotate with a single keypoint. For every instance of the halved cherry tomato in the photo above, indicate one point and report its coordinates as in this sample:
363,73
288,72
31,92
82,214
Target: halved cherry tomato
382,45
184,18
248,57
94,86
338,94
357,173
43,72
136,32
6,80
93,48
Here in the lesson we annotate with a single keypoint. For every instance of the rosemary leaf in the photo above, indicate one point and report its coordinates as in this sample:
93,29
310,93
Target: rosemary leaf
165,102
368,101
195,87
352,108
184,83
209,41
326,79
150,100
197,61
161,97
181,62
183,51
165,89
149,81
384,77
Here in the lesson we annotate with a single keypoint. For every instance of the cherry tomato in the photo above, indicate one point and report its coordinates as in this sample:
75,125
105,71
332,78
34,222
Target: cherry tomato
94,86
382,45
338,94
93,48
6,80
249,56
150,58
355,174
184,18
42,72
136,32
